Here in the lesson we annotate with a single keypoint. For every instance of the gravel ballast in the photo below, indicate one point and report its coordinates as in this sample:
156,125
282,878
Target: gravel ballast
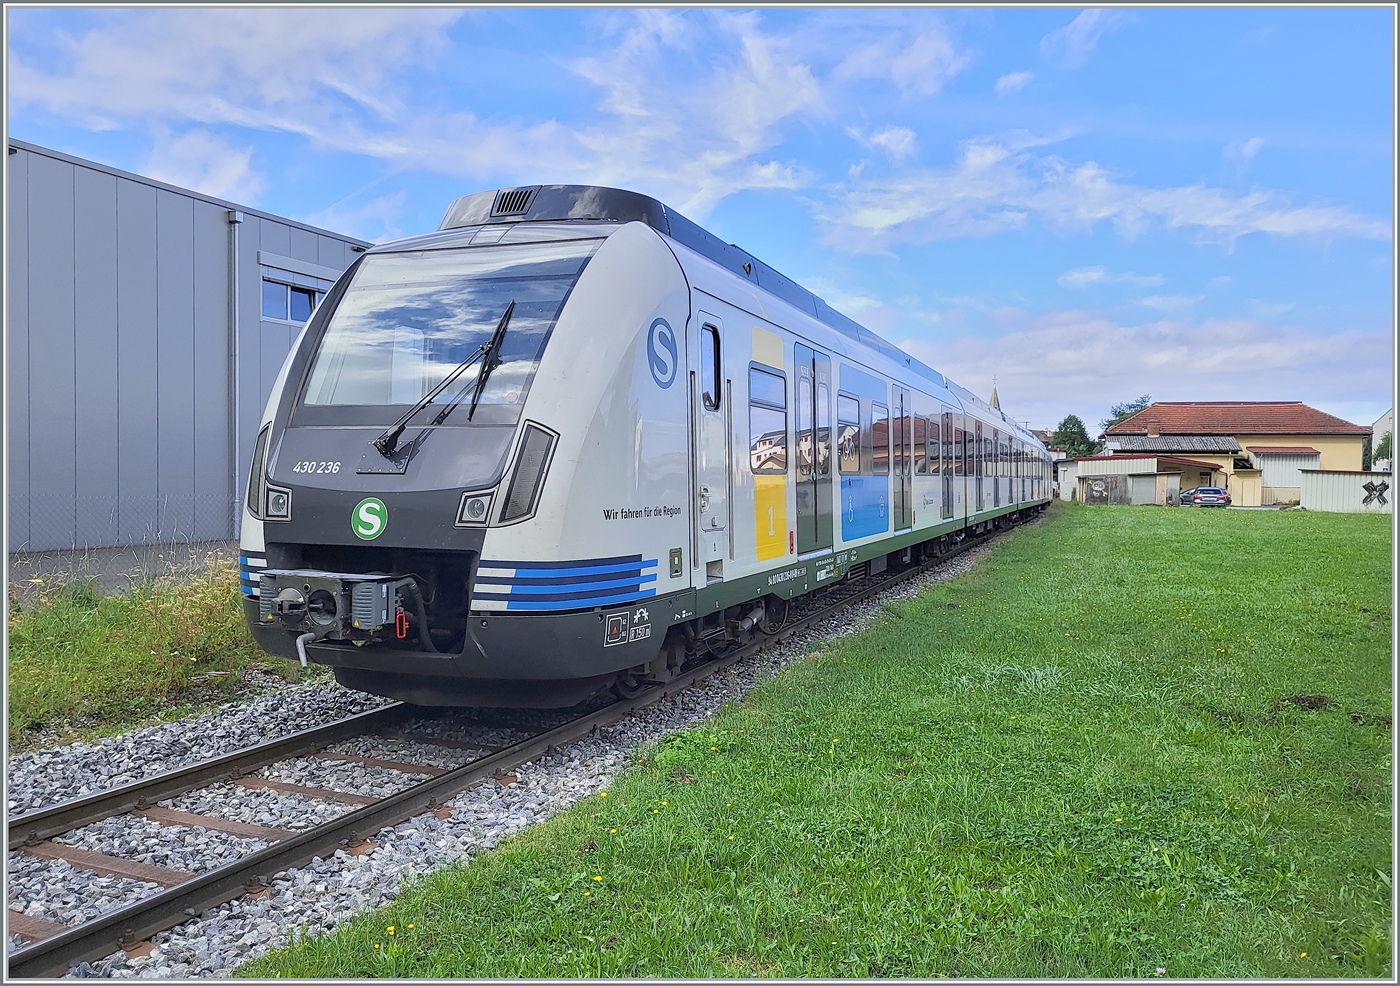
315,898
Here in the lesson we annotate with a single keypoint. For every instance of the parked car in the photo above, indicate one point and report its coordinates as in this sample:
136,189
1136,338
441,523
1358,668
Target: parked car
1205,496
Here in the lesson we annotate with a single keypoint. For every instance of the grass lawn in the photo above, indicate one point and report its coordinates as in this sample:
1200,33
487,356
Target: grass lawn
1131,740
81,664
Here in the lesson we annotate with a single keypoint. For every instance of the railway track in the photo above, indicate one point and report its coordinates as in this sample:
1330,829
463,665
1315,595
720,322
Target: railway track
53,947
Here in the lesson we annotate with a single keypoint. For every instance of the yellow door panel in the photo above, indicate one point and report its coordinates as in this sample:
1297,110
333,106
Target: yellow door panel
770,516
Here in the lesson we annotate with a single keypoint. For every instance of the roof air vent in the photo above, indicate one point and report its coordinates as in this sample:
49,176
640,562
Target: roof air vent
513,201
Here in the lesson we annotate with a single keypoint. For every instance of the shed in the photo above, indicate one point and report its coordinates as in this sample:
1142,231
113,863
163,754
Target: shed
1138,479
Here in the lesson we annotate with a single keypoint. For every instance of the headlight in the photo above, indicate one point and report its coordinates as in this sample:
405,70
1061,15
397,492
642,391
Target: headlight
279,504
473,510
531,463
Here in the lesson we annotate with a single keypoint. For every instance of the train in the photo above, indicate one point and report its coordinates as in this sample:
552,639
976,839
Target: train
571,440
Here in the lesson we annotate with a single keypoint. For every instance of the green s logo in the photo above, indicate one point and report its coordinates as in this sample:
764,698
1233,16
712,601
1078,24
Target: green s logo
369,518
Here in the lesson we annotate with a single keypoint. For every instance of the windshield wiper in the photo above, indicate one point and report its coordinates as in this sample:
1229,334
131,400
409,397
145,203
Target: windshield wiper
490,362
389,441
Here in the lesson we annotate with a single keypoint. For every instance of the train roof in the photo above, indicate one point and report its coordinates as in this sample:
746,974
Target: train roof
594,203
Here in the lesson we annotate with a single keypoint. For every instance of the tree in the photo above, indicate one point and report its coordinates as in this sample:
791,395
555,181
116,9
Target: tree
1382,451
1366,454
1121,412
1071,435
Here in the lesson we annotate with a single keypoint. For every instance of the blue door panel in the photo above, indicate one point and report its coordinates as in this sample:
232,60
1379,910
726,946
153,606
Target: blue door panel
864,506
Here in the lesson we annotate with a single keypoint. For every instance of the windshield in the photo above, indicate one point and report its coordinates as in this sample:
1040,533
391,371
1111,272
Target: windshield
408,319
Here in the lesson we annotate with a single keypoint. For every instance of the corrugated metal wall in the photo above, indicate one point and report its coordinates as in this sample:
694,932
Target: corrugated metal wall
1282,470
119,353
1347,492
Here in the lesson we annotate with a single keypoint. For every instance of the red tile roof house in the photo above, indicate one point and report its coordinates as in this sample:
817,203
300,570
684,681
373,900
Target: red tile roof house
1256,448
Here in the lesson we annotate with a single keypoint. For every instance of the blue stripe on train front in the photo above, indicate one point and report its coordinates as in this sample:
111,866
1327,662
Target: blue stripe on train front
505,586
248,564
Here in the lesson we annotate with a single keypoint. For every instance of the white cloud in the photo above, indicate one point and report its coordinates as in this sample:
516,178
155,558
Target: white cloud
920,66
998,183
845,301
897,142
289,69
1265,309
1172,302
206,163
343,83
1072,44
1082,277
699,141
1013,82
1080,362
1221,281
1241,154
377,220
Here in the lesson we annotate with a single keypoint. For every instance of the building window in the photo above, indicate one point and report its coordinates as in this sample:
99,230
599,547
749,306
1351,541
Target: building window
286,303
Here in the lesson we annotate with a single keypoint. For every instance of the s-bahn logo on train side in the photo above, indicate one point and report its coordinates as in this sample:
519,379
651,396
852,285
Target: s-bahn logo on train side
661,353
369,518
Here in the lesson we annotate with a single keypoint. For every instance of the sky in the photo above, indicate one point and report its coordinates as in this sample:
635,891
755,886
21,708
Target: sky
1079,205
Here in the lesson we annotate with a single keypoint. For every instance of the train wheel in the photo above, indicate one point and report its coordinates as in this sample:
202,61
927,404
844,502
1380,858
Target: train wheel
772,622
629,684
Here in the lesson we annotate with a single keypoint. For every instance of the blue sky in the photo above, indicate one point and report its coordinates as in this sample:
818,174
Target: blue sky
1086,204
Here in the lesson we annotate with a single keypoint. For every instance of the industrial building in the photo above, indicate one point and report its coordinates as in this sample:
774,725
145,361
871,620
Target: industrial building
145,325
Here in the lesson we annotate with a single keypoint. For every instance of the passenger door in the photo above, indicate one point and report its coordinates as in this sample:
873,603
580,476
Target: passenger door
710,431
814,522
901,428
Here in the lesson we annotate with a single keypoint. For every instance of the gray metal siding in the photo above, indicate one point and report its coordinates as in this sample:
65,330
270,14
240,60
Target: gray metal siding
1345,492
119,354
1282,470
53,465
212,355
175,365
17,348
138,395
95,371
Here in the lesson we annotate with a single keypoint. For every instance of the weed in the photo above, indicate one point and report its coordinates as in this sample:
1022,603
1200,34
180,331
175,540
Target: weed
87,664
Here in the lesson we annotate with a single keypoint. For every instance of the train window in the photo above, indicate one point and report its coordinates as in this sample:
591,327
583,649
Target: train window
947,455
848,434
456,300
710,367
767,421
880,439
806,444
934,446
823,430
957,451
921,446
406,362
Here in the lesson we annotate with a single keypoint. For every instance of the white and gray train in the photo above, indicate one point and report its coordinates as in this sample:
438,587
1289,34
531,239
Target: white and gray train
571,438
